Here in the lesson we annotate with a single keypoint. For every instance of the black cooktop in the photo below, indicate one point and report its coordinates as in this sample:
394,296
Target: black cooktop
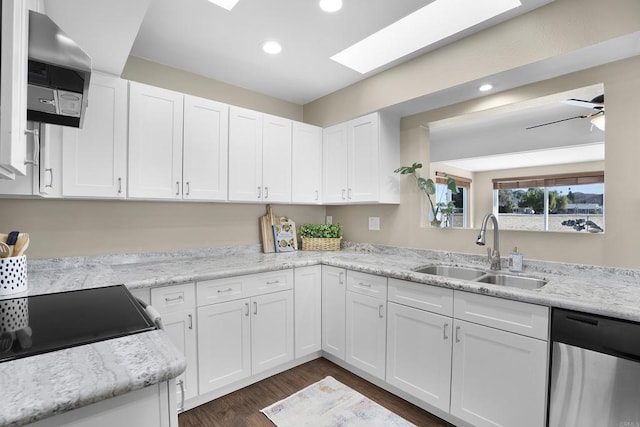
42,323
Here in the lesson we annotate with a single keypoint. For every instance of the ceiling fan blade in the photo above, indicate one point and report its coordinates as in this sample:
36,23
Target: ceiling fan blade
596,103
557,121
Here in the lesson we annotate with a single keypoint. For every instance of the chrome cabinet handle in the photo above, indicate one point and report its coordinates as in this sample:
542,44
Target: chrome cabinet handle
380,307
255,308
188,188
340,278
178,298
50,170
36,147
259,192
365,285
221,291
457,332
119,185
246,304
349,194
177,188
266,192
181,384
273,282
190,322
343,198
317,195
444,331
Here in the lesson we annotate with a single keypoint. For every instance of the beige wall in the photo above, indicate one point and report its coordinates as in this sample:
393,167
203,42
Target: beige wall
400,225
141,70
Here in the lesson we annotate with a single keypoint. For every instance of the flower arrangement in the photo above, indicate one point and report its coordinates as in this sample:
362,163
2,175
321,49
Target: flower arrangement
428,187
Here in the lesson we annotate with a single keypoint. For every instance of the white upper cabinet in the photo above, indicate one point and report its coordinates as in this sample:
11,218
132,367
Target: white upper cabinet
206,143
359,158
276,159
155,142
334,162
95,157
306,164
245,155
13,79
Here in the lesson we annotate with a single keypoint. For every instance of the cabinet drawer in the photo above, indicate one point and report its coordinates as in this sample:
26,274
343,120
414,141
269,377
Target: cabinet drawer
367,284
273,281
221,290
514,316
173,298
424,297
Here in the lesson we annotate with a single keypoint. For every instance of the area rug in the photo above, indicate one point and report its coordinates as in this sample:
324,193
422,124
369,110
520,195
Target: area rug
329,403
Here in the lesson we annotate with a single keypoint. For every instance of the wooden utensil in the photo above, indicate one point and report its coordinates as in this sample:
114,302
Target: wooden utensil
5,250
21,244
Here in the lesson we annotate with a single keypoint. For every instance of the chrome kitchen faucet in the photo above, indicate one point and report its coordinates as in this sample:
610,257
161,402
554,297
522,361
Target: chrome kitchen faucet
494,256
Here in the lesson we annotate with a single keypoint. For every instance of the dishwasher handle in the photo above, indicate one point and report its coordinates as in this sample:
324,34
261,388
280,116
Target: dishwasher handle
602,334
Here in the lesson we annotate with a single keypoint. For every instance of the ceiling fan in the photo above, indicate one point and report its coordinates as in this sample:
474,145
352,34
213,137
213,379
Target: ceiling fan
597,116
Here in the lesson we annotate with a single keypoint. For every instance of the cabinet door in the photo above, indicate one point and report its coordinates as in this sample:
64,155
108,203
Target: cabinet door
419,354
308,310
271,330
49,182
224,343
366,333
245,155
95,157
498,378
276,159
334,164
180,326
363,157
306,164
155,142
334,285
206,143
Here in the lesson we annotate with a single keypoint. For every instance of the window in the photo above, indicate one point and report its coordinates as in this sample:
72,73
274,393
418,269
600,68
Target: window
460,215
565,202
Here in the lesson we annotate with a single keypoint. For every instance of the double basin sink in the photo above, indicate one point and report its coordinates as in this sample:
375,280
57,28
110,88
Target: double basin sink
494,278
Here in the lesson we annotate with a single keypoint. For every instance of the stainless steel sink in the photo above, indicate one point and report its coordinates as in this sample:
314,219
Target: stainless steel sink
512,281
453,272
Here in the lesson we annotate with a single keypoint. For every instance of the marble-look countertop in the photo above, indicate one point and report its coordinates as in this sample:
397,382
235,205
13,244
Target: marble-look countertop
38,386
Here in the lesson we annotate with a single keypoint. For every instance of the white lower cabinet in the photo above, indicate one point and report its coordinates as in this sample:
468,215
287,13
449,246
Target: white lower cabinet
176,305
308,310
247,335
419,354
334,285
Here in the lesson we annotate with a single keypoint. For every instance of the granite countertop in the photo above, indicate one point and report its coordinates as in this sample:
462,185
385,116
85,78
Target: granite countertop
41,386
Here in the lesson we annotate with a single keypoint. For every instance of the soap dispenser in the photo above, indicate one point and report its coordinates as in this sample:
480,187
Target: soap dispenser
515,260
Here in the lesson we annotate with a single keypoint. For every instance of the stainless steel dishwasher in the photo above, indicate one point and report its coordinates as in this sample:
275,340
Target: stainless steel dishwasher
595,371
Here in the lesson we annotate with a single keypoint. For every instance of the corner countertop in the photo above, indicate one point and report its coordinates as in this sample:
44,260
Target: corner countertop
42,386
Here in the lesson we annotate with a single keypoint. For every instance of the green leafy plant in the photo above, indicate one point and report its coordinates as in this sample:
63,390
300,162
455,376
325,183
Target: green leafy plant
428,187
320,230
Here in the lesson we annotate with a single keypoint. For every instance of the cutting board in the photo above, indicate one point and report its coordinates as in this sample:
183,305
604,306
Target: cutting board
266,231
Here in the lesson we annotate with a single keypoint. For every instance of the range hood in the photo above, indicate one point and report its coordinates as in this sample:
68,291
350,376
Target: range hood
59,73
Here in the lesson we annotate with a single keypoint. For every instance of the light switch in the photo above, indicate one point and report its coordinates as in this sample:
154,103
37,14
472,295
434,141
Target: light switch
329,219
374,223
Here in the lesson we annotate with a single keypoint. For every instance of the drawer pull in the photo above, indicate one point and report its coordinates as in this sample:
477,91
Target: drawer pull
181,385
365,285
246,304
380,307
255,308
457,332
341,278
444,331
178,298
273,282
190,322
222,291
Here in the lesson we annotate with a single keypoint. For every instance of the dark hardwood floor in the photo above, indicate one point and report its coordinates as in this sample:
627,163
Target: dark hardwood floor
242,408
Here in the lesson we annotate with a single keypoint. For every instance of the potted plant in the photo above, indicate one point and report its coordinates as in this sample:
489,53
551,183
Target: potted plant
428,187
320,237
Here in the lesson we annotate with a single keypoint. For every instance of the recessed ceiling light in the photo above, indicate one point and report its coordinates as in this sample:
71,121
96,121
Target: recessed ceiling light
330,5
430,24
272,47
225,4
485,87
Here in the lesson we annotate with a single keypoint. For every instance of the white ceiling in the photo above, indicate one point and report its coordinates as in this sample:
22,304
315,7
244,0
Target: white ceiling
197,36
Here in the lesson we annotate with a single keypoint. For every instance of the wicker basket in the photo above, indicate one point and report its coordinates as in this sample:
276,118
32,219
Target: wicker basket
321,243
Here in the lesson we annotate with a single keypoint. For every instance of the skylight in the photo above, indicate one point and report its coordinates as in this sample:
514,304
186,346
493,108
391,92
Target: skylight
434,22
225,4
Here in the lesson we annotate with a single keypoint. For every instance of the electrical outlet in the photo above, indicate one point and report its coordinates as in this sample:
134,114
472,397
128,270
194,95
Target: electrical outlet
329,219
374,223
